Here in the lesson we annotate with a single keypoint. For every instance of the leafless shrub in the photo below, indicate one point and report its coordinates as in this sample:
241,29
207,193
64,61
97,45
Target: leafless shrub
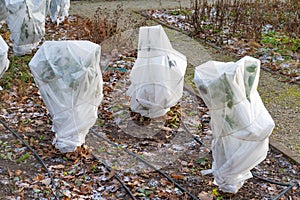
105,24
115,31
245,18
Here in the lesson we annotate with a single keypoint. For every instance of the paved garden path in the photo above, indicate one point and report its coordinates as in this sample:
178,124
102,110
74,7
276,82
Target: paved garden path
281,99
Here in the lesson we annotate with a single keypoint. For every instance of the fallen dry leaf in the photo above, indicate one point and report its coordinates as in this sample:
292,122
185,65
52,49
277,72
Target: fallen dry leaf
38,177
10,174
57,166
205,196
111,174
46,181
18,172
176,176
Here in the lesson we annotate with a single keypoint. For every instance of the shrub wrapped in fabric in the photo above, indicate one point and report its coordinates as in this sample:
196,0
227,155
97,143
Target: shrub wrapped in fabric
240,123
70,81
59,10
2,12
157,76
26,21
4,62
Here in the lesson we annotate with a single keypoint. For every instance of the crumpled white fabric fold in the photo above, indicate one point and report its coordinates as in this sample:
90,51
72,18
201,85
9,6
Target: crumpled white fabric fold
2,12
26,21
59,10
157,76
4,62
70,81
240,123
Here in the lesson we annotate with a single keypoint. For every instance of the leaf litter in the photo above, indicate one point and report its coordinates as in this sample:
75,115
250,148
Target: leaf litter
79,175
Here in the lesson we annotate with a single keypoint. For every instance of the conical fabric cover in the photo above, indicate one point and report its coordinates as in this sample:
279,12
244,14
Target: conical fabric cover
240,123
70,81
26,21
157,76
59,9
4,62
2,12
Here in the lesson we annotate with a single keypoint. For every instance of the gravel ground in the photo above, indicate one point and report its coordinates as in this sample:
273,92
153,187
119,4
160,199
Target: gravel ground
281,99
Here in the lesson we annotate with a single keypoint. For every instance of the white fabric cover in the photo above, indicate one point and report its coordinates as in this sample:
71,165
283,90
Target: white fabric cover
240,123
4,62
157,76
26,21
70,81
59,9
2,12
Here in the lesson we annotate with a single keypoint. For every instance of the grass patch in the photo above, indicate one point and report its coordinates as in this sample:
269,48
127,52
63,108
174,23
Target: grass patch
18,74
280,41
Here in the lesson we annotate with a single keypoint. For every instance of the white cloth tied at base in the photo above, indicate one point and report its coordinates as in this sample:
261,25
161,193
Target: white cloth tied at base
157,76
240,123
59,10
2,12
4,62
70,81
26,21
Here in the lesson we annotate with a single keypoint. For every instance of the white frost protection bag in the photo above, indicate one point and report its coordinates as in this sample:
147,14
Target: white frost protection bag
157,76
4,62
26,21
59,9
70,81
2,12
240,123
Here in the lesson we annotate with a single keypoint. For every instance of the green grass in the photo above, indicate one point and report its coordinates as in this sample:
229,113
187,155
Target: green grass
18,73
280,41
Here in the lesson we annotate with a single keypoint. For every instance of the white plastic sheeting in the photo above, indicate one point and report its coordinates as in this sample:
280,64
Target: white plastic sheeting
240,123
2,12
26,21
157,76
4,62
70,81
59,10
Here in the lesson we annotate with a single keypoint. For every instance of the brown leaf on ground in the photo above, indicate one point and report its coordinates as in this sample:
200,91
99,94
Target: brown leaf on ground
38,177
10,174
111,174
46,181
18,172
177,176
205,196
57,166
